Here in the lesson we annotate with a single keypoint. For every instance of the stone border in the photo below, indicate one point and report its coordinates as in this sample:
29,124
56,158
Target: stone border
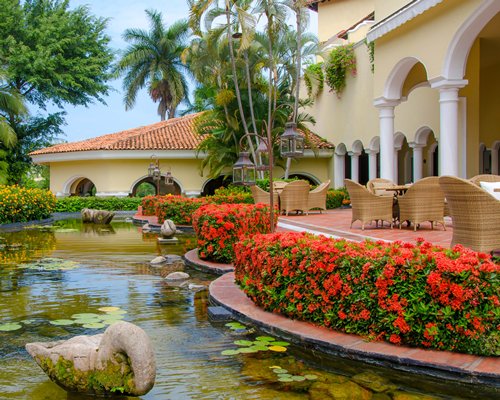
457,367
191,259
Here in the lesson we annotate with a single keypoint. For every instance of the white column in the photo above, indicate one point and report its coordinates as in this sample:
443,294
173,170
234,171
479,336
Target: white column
354,166
372,164
448,135
418,160
339,165
386,123
494,161
395,165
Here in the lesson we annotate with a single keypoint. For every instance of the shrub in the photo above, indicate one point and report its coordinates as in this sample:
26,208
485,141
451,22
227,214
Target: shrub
19,204
219,226
264,183
335,197
340,62
76,204
177,208
148,204
420,295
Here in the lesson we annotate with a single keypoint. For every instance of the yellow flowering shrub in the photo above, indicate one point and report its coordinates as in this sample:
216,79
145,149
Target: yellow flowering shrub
18,204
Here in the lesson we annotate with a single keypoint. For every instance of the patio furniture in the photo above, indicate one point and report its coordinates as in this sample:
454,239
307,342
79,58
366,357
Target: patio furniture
423,201
366,206
261,196
475,214
484,178
279,185
377,186
295,197
317,197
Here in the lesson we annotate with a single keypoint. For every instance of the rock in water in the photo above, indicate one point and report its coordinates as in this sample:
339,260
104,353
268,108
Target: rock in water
121,360
158,260
177,276
168,229
97,216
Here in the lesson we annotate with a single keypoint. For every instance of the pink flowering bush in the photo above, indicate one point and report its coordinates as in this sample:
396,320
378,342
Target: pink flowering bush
419,295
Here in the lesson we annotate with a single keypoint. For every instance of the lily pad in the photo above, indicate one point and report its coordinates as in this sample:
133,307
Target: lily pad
10,326
298,378
311,377
265,339
66,230
284,344
230,352
285,379
248,350
27,321
285,376
50,264
94,325
278,349
62,322
112,317
116,312
109,309
243,342
85,316
280,371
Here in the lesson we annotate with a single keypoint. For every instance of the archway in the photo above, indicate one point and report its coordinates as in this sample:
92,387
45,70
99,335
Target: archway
373,152
215,183
79,186
306,177
147,181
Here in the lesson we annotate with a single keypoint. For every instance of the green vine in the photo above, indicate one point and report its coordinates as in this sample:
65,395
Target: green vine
314,79
371,54
340,62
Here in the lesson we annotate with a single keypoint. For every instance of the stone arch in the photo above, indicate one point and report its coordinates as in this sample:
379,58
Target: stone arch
374,144
422,135
393,88
357,146
305,176
176,188
455,61
211,184
341,149
79,186
399,139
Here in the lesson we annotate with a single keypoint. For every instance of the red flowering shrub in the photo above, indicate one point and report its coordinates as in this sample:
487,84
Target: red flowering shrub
148,204
218,227
420,295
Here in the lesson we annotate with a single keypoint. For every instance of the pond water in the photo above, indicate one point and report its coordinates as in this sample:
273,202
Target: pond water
51,274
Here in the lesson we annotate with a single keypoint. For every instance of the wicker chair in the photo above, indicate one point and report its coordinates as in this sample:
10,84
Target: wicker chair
279,185
484,178
261,196
373,186
317,197
367,207
475,214
294,197
424,201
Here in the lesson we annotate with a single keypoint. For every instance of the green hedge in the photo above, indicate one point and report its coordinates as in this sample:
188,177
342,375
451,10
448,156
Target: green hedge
76,204
19,204
335,198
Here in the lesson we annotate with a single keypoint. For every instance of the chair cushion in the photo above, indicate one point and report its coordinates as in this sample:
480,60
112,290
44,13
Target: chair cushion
490,188
379,191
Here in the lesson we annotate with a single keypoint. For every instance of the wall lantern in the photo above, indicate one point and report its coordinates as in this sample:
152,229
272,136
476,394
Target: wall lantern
244,170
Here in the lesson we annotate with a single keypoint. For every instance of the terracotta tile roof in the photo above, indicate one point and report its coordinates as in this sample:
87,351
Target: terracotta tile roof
173,134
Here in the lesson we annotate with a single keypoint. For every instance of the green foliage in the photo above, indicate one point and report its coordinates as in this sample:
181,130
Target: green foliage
371,54
19,204
145,189
341,61
264,183
153,60
314,79
335,198
76,204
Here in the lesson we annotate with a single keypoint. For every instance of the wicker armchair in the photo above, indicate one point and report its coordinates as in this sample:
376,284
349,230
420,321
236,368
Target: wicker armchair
484,178
367,207
374,185
261,196
294,197
424,201
475,214
317,197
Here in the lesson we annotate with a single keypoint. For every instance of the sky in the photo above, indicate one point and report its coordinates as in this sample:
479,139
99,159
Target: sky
98,119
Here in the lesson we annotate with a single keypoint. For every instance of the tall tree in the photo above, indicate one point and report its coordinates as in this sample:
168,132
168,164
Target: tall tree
153,60
52,55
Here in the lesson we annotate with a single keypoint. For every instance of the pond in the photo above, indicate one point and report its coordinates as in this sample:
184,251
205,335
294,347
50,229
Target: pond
53,274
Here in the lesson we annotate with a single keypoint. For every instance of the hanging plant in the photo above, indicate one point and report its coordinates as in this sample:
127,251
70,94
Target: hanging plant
314,79
371,54
340,62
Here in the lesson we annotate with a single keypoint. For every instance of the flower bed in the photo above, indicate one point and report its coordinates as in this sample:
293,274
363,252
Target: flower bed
418,295
218,227
19,204
177,208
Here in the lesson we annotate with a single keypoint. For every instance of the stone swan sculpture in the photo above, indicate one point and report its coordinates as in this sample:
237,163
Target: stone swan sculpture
120,360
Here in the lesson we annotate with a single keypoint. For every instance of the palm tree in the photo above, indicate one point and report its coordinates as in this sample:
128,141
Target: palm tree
153,60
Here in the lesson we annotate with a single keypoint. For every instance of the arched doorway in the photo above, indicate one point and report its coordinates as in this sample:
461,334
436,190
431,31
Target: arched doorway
146,183
82,187
215,183
305,177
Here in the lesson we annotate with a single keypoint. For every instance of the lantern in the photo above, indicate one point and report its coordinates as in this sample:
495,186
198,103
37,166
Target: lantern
244,170
291,143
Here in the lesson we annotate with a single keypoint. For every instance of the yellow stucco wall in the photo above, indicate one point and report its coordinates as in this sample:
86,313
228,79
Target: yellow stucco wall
425,38
489,125
384,8
335,16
